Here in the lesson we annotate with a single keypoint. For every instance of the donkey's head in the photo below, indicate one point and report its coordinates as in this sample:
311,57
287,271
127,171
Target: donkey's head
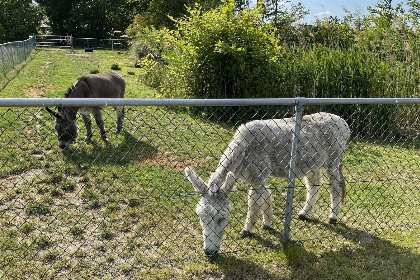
213,207
65,125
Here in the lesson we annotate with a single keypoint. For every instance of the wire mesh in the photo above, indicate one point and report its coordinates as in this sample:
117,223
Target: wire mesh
14,53
112,208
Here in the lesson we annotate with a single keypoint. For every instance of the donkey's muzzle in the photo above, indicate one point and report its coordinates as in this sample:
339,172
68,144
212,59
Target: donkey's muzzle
63,145
210,253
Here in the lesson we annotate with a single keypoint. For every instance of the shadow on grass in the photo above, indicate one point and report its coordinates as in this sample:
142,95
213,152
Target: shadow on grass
107,153
365,257
237,268
360,256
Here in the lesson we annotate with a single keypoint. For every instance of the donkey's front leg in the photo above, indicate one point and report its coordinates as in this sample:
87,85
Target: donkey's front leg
255,203
313,184
98,118
88,123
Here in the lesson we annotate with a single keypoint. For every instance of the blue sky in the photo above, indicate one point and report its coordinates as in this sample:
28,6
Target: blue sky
326,8
322,8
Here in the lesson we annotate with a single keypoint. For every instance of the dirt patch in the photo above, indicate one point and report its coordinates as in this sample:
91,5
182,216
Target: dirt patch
37,92
16,180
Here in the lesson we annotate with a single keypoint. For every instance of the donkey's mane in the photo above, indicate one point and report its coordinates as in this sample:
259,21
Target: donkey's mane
69,91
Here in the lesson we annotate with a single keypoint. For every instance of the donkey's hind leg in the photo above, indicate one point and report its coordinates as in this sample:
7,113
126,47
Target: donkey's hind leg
313,184
119,110
337,192
258,199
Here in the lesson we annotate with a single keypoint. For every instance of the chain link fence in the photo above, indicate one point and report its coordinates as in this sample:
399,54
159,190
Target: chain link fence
14,53
113,208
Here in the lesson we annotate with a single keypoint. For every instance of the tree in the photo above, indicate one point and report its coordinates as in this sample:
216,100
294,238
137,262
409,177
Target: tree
160,13
88,18
18,25
222,53
58,13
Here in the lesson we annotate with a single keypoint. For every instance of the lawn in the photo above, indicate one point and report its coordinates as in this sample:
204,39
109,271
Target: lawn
123,209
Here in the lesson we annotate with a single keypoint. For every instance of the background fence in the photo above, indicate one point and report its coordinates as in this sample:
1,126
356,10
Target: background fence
118,207
65,41
14,53
105,44
54,41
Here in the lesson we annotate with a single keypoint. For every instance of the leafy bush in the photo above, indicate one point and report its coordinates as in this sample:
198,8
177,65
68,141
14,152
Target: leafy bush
146,41
222,53
115,66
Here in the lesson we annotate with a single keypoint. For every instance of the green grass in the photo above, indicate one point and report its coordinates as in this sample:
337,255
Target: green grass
124,210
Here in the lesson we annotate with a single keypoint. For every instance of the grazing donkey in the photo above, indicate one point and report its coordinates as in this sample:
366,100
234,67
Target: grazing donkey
262,148
104,85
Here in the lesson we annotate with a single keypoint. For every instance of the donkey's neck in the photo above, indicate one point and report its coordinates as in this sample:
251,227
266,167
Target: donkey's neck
222,171
70,112
231,159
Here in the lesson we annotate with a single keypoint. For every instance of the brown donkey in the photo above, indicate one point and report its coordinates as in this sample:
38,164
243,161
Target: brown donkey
104,85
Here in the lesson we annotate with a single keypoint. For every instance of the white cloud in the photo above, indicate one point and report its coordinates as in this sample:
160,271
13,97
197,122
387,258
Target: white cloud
323,14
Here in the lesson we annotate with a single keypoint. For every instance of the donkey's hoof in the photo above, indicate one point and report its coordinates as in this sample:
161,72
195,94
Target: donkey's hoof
302,217
245,233
267,228
332,221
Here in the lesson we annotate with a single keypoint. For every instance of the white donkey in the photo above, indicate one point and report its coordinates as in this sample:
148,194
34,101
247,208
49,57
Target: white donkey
262,148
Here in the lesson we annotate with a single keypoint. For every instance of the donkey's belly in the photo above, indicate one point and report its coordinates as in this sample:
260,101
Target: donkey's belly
303,165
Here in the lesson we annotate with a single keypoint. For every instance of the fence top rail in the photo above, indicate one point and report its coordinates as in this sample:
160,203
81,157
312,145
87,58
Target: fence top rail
104,102
14,42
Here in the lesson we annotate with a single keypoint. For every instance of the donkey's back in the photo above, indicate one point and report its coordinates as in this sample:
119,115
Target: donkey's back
266,144
103,85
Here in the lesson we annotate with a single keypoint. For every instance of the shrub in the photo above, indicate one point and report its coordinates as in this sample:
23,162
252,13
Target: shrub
115,67
147,42
222,53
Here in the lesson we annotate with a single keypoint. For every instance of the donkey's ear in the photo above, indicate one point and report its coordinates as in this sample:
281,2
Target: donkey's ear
55,114
197,182
229,182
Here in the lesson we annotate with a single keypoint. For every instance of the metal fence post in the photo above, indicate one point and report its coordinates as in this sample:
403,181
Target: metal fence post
300,106
3,61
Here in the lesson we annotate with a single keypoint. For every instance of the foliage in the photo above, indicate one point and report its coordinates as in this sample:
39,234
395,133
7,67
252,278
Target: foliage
146,40
84,18
265,52
18,20
220,53
115,66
